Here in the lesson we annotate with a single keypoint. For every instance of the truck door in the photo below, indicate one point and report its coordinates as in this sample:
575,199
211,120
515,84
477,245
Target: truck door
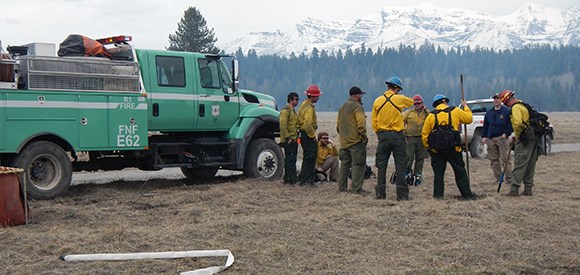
218,107
172,98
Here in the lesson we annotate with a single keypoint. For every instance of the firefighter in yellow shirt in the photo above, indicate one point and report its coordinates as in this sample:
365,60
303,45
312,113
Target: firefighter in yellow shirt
352,130
414,119
387,122
308,125
288,137
440,158
327,159
526,148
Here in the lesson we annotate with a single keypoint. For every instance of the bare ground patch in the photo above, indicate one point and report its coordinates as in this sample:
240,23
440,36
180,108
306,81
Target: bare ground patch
273,228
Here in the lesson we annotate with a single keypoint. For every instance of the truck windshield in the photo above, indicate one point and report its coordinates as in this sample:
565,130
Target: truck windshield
225,77
480,107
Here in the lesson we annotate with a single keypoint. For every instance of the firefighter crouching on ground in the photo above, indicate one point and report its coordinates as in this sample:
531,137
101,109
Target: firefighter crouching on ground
454,157
525,152
327,159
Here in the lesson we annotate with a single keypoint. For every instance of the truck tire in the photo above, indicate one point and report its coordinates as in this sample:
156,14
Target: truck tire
264,159
477,149
194,175
48,170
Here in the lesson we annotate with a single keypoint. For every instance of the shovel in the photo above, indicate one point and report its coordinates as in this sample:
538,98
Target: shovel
501,178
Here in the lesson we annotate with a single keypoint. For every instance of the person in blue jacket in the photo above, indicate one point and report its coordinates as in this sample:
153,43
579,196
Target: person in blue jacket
497,129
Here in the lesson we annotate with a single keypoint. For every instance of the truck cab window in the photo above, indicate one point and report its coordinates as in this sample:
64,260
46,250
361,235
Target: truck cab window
170,71
209,73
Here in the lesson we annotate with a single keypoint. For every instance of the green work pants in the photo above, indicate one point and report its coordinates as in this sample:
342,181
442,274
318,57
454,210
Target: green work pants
439,163
416,152
352,158
290,152
525,158
391,142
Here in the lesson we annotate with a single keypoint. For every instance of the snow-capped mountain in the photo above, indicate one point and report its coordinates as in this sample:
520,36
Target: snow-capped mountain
392,26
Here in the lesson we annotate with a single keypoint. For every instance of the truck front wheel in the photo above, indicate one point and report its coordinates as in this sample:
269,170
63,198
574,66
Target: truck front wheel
264,159
48,170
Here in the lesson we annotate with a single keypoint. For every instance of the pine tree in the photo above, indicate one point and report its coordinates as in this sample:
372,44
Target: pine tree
192,34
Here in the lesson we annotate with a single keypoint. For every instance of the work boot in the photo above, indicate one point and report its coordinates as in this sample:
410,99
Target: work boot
513,193
418,180
527,191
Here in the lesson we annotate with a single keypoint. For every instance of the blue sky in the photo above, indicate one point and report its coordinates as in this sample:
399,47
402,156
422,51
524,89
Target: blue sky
151,21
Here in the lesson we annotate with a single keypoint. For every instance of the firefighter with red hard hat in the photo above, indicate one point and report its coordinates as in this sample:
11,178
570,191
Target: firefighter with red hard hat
525,150
308,125
414,119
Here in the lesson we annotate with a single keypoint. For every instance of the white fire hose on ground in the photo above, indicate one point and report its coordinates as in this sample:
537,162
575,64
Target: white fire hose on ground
160,255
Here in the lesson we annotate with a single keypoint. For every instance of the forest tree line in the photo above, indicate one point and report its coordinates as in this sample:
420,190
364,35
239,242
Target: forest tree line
547,77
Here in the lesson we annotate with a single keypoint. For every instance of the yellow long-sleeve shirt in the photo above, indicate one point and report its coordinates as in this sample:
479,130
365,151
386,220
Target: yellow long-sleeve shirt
520,117
307,118
351,124
458,116
389,118
288,123
414,121
324,151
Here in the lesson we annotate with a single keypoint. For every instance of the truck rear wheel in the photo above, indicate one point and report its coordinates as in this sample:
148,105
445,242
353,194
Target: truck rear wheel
48,170
264,159
197,174
477,149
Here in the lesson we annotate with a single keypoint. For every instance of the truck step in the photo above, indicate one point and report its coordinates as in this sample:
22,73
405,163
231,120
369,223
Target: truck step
209,164
216,164
213,143
170,165
172,144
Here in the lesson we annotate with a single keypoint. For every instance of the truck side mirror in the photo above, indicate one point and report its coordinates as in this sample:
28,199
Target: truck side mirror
235,75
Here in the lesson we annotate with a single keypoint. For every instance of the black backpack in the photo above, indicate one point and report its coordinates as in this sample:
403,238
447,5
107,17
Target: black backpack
368,173
538,121
443,138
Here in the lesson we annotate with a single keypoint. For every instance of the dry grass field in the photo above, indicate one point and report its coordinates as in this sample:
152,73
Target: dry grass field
278,229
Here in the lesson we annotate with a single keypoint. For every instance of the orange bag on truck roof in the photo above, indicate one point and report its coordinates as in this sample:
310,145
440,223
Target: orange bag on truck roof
80,45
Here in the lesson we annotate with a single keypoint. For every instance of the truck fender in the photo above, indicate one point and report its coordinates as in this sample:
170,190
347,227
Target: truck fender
248,129
46,136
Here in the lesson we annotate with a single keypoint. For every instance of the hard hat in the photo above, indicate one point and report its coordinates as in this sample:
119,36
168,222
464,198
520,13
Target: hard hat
505,96
438,98
395,81
313,90
417,98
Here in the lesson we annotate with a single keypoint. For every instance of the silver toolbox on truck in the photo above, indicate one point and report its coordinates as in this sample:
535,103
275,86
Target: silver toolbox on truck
79,74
